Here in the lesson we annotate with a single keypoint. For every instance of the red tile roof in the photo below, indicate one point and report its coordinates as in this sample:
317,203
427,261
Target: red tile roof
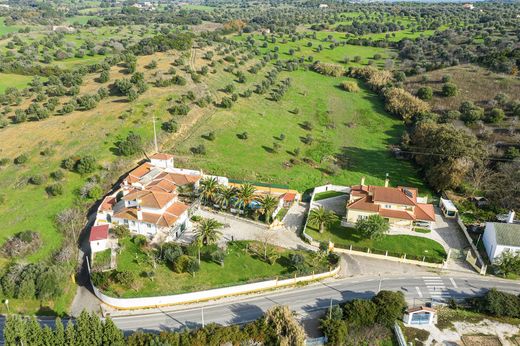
108,203
424,212
98,232
372,195
138,173
289,197
150,199
396,214
161,156
391,195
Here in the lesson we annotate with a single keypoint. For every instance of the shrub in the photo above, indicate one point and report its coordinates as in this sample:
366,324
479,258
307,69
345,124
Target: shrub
501,303
86,164
170,126
449,89
21,159
124,278
37,179
4,161
57,175
376,79
181,263
350,86
400,102
139,240
120,231
328,69
496,115
360,312
131,145
22,244
54,189
425,93
181,109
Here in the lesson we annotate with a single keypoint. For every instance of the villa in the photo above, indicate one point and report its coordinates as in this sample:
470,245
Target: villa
147,201
401,206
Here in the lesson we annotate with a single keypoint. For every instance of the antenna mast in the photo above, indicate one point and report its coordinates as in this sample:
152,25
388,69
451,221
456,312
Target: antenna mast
155,135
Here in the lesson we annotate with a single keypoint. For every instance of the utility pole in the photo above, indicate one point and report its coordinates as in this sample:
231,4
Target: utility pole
330,309
380,282
202,312
155,135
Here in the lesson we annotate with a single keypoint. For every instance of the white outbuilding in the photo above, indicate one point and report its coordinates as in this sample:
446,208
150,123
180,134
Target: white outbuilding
499,237
98,238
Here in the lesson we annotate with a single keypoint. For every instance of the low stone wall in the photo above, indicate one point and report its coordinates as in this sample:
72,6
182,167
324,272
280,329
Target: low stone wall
195,297
473,256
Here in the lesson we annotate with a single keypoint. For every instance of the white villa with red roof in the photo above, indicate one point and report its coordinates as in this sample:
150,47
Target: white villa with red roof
147,201
401,206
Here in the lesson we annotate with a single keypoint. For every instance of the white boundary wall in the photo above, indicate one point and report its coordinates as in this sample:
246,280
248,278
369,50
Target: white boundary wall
318,189
194,297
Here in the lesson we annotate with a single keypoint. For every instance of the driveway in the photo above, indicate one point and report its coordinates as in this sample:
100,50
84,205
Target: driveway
447,233
237,229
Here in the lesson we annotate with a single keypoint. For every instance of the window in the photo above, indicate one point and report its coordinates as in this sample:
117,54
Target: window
362,217
388,206
149,225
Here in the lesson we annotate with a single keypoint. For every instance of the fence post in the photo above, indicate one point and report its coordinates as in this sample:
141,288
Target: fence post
386,253
350,248
404,256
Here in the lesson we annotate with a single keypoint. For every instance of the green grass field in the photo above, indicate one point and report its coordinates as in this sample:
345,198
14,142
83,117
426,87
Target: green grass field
358,141
13,80
240,266
5,29
394,244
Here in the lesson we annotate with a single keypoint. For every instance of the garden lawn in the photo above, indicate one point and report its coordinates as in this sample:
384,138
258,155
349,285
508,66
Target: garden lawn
410,245
327,194
239,267
351,129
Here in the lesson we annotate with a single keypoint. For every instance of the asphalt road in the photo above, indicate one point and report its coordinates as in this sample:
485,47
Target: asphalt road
306,300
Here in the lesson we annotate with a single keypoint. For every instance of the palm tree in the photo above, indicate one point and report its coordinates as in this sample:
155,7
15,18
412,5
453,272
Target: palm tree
224,196
245,195
268,205
208,189
207,233
322,218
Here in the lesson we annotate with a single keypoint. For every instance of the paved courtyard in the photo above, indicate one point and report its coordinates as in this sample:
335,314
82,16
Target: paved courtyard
238,229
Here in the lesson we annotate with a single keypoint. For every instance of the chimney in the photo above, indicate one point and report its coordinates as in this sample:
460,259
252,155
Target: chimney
362,181
139,213
511,216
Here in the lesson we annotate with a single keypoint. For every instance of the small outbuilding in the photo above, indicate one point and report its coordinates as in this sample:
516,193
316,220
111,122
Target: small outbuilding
499,237
98,238
419,315
448,208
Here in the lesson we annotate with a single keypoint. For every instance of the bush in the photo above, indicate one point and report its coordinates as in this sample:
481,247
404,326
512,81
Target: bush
57,175
449,89
425,93
131,145
54,189
328,69
360,312
86,164
400,102
124,278
496,115
22,244
501,303
170,126
120,231
139,240
181,263
350,86
37,179
21,159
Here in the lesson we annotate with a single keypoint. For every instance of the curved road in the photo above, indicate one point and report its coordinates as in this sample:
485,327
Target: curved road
306,300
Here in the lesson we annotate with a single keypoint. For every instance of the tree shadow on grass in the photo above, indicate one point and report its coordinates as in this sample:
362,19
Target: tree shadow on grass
268,149
377,163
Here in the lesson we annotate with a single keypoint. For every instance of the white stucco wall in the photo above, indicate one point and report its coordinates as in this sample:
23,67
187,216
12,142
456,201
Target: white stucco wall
98,245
